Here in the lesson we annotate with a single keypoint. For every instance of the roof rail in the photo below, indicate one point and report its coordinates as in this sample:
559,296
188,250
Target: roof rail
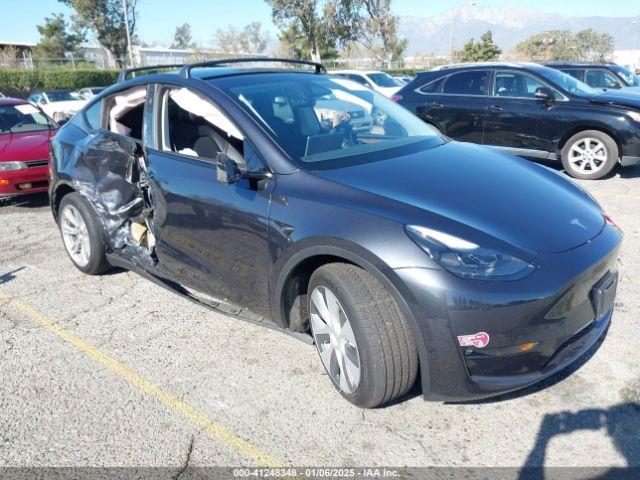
122,76
186,69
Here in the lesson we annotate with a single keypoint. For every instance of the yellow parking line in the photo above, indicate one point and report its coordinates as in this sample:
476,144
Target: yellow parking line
211,428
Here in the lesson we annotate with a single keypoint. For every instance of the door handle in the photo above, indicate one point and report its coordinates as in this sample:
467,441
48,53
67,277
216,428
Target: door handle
495,108
437,105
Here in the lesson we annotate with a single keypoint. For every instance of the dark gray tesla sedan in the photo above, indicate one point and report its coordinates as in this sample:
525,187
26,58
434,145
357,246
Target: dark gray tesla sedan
394,249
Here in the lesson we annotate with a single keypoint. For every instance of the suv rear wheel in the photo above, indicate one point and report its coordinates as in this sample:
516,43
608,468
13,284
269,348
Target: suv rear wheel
362,337
82,234
589,155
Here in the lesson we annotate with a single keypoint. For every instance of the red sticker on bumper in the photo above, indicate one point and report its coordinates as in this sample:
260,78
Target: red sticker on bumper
478,340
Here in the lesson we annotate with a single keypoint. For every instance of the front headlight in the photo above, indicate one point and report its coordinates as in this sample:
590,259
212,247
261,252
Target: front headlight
467,259
11,166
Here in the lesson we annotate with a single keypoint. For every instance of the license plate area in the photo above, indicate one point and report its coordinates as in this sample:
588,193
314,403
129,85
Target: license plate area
604,294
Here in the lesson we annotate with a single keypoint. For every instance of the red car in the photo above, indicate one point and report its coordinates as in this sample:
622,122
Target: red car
25,132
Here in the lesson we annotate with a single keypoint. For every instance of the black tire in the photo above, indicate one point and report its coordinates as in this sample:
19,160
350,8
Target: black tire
385,343
97,260
611,150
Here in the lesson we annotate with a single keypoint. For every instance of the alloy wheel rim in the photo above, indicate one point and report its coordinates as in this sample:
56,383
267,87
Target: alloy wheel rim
75,235
588,155
335,339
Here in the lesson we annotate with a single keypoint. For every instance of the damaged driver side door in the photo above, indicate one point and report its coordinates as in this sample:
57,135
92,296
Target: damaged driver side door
209,235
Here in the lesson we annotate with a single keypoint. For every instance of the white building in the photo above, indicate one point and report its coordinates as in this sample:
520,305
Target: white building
627,58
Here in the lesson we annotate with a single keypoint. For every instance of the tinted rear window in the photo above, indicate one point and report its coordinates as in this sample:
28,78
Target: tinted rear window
467,83
435,86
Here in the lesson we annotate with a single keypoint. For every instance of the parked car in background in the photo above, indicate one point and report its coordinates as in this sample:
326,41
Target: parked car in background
402,78
60,105
532,111
397,250
380,82
332,110
25,132
90,92
603,76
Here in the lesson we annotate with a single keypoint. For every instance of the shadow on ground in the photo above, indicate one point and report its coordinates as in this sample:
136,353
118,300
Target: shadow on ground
37,200
621,423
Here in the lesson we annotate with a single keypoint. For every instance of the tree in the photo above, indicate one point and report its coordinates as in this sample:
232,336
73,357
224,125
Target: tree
9,57
294,44
105,18
483,51
378,30
593,46
548,46
55,39
315,25
587,45
182,38
250,39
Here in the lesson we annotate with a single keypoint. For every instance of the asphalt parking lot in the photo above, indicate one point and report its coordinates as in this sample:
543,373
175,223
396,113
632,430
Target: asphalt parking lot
115,371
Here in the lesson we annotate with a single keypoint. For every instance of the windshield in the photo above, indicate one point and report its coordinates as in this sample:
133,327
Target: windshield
631,78
382,80
567,82
22,118
324,121
63,96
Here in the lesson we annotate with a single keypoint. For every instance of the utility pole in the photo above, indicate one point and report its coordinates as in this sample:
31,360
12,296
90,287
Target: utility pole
451,43
126,25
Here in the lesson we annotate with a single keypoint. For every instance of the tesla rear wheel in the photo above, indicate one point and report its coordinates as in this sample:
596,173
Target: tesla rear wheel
363,340
589,155
82,234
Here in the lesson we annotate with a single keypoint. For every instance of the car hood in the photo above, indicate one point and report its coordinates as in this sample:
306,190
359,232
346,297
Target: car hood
627,97
512,200
25,146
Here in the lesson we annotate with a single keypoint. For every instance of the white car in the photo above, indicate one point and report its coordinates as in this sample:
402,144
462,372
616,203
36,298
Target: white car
60,105
378,81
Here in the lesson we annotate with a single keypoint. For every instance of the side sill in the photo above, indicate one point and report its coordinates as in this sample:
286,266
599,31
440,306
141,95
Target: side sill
118,261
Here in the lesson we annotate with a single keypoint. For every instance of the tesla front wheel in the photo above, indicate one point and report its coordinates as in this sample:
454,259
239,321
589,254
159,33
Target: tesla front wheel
81,234
362,337
589,155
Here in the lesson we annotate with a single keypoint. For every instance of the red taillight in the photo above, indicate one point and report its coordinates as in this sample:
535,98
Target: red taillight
610,221
396,98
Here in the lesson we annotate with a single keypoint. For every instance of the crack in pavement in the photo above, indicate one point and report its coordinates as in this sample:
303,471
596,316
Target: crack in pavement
187,460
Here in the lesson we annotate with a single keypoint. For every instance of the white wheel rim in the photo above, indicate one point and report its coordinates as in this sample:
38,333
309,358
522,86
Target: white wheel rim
335,340
75,235
588,155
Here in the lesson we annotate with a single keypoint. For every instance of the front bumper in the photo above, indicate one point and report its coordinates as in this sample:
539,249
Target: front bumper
22,182
552,309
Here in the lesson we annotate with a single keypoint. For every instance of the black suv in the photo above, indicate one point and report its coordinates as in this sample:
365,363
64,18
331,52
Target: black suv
600,75
532,111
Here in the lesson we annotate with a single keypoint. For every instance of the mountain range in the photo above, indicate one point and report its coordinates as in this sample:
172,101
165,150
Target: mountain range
510,24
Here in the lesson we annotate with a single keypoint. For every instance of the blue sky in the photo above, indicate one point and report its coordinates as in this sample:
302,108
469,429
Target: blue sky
158,18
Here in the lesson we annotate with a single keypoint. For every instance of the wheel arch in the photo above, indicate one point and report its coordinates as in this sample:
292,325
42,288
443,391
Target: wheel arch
61,190
289,292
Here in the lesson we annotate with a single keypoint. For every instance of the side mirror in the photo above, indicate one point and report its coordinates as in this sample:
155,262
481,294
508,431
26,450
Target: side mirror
545,94
226,169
